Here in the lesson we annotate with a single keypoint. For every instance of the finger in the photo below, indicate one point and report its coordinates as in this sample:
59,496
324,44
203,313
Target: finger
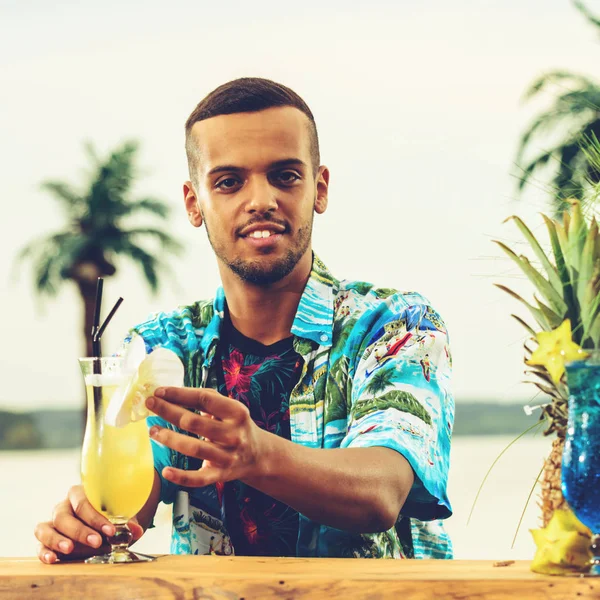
190,446
86,513
59,542
202,425
199,478
136,529
46,555
204,399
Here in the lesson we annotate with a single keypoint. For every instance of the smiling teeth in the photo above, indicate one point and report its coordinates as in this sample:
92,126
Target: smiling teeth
260,234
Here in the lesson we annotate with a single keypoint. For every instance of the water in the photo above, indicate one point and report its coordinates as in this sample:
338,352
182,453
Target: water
34,481
581,462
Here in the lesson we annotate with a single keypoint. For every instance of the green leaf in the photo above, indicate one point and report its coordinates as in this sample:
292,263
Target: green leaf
587,263
553,319
539,252
563,271
576,237
541,284
538,315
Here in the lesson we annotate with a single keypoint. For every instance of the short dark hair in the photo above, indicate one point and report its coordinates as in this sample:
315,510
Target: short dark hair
249,94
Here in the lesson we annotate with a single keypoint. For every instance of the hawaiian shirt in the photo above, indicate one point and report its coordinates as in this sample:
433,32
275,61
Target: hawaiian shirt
375,372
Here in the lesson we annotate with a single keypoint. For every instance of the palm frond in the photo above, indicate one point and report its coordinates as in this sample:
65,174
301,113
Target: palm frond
537,163
151,205
585,11
150,264
167,241
63,192
553,78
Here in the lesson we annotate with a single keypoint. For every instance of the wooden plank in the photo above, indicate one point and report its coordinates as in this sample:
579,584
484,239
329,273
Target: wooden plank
228,578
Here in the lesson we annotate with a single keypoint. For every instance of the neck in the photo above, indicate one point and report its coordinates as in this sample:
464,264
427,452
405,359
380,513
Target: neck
266,313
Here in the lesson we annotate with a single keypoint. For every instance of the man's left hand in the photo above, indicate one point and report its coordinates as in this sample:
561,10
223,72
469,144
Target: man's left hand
232,443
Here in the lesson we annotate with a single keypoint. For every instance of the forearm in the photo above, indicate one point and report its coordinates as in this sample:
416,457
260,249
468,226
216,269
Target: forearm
354,489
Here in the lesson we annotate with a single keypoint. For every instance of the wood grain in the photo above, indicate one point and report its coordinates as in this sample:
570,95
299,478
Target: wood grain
237,578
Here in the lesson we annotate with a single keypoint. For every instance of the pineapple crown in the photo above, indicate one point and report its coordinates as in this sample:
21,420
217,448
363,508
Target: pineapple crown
567,287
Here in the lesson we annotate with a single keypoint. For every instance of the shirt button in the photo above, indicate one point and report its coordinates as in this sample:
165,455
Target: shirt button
324,337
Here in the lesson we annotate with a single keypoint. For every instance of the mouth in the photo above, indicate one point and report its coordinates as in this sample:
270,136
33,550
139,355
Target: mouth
263,238
264,235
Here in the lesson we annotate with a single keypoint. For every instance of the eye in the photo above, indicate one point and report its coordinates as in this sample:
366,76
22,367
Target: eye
287,177
228,183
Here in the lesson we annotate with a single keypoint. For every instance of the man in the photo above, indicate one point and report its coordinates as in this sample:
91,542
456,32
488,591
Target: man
308,424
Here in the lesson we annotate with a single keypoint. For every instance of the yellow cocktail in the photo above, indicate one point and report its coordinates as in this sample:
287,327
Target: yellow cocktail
117,469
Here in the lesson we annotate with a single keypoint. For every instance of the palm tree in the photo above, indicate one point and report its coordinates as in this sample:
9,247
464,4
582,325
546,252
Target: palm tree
96,233
575,117
380,381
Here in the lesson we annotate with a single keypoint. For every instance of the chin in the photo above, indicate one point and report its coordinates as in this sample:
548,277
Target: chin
265,271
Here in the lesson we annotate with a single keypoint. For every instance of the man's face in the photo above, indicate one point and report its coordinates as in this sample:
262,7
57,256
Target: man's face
255,190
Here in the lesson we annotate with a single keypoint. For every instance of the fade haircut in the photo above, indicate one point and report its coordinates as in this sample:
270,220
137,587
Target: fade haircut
248,94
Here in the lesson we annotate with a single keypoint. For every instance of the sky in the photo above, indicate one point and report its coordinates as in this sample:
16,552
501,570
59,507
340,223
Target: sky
419,108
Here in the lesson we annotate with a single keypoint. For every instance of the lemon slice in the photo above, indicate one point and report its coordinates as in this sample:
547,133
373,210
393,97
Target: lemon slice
143,374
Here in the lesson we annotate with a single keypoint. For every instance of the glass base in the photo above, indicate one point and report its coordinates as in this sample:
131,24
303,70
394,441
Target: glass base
119,557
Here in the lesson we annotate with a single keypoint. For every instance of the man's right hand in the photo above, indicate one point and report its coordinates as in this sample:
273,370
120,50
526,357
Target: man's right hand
76,529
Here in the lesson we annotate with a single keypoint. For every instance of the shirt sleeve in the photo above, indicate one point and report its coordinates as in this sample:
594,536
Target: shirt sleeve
401,398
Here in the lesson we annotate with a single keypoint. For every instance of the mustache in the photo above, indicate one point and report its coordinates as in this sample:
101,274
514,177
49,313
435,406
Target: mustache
263,221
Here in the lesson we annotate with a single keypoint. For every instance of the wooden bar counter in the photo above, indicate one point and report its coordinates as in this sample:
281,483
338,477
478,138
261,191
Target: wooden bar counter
237,578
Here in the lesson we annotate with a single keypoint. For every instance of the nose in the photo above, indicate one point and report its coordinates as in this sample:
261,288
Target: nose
261,196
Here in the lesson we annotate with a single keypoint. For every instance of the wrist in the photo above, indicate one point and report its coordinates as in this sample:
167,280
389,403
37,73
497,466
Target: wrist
264,459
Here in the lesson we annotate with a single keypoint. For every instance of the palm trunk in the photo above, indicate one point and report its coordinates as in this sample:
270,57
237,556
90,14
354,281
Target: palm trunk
87,291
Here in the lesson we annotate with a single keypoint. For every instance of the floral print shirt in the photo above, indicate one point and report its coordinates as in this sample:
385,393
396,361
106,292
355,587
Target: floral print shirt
261,377
375,372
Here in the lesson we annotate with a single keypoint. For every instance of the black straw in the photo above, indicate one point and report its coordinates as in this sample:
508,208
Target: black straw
100,331
96,353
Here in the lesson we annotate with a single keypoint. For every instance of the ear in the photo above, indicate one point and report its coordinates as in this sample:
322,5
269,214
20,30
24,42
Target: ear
192,206
322,190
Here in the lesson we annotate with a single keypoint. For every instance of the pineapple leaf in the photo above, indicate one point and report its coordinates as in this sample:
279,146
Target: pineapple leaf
563,271
550,391
577,233
541,374
529,329
540,283
590,304
588,262
594,332
553,319
550,269
537,314
566,220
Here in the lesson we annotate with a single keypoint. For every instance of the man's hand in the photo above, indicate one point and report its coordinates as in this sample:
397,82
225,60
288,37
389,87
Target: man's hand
232,443
75,530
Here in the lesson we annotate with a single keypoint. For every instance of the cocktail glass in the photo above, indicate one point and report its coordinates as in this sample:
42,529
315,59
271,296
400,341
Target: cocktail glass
581,457
117,469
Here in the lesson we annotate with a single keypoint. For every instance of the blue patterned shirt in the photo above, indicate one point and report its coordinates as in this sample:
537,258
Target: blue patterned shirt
375,372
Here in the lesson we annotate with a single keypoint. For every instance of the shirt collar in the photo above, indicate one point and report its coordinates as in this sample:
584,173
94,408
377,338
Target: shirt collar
314,316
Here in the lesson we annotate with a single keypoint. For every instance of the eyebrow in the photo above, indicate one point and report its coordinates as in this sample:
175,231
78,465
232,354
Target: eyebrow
278,164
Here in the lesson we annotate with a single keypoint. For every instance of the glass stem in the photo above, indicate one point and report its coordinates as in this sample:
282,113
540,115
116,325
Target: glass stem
121,540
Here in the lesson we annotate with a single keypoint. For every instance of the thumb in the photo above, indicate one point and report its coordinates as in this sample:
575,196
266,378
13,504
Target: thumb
136,529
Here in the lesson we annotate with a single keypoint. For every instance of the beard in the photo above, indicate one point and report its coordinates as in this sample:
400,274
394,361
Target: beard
265,272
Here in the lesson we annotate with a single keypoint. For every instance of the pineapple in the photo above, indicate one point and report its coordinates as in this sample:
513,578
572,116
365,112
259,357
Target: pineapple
567,288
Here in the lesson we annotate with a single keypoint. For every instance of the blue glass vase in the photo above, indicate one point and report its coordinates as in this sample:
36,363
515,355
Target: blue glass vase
581,457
